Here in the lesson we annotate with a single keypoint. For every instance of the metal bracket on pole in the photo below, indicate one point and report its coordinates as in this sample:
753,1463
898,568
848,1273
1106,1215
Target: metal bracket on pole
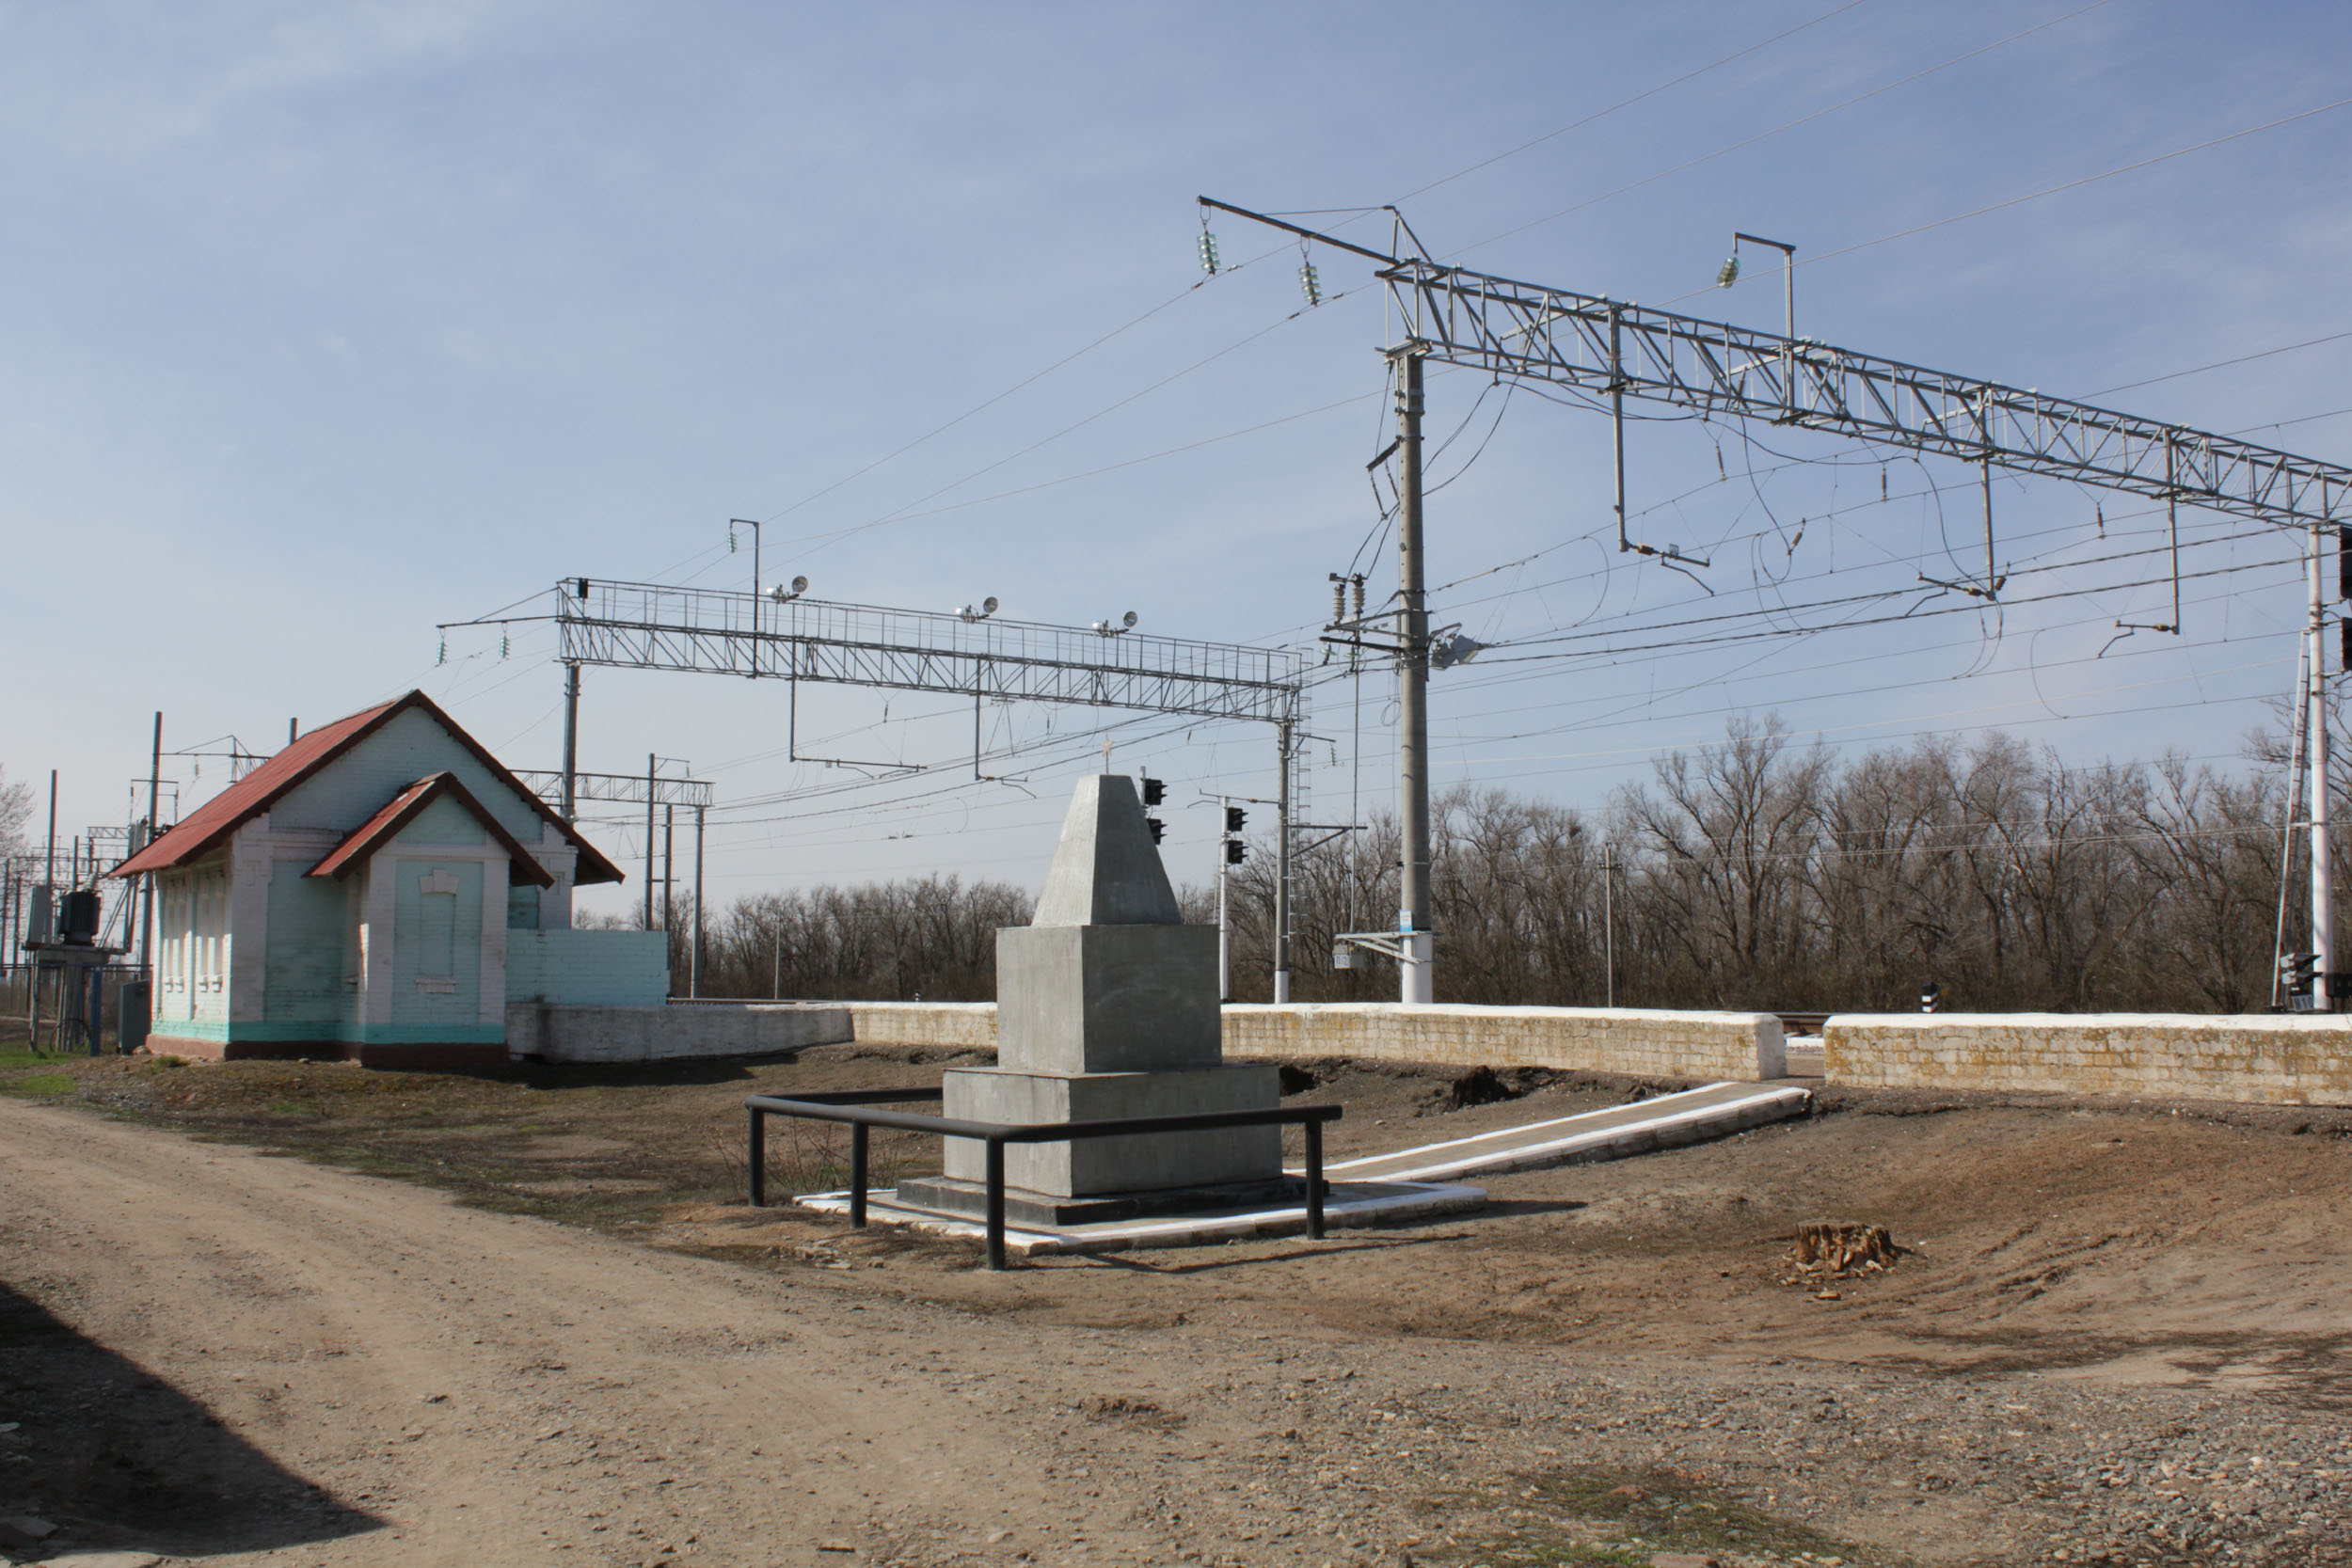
1386,944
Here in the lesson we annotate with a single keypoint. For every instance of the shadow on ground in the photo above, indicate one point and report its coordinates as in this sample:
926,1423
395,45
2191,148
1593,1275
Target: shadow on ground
114,1456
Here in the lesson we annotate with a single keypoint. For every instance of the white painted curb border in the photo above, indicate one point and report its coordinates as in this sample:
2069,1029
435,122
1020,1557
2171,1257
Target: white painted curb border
1415,1200
1687,1126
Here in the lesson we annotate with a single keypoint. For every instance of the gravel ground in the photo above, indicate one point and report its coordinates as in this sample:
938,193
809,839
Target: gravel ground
2117,1333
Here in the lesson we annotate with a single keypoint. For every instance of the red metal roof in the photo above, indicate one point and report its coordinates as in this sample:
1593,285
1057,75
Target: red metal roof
210,825
404,809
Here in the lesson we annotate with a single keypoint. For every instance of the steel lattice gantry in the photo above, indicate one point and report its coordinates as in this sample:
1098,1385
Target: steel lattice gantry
634,789
1613,349
1603,346
712,631
779,636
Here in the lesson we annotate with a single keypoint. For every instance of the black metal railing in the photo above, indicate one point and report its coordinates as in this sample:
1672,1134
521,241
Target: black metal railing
853,1108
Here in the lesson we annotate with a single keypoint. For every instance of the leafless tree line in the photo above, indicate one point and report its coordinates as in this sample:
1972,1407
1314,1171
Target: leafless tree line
1754,874
930,938
1761,875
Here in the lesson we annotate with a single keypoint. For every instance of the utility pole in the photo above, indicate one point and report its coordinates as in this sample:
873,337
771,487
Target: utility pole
669,866
1224,931
571,735
2323,878
1282,739
1417,972
2289,814
147,891
1609,921
1616,419
649,788
694,967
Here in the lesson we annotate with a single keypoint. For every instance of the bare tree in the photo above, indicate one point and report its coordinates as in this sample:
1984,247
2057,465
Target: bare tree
16,809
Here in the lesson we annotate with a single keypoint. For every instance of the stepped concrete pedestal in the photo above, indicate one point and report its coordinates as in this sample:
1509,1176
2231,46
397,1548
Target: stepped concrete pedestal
1107,1008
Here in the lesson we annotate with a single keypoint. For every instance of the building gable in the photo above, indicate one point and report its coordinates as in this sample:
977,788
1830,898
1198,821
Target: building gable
409,747
443,821
436,810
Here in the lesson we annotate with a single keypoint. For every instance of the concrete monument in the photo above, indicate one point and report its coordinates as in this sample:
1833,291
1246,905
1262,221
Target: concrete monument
1106,1007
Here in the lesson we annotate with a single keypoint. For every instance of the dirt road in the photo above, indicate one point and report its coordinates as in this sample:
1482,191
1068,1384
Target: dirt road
211,1352
472,1388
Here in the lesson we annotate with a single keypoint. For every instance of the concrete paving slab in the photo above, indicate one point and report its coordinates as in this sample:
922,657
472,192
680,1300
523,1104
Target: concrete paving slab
1693,1116
1349,1205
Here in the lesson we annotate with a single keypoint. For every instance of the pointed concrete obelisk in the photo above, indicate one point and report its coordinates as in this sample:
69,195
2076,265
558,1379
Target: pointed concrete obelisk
1106,1007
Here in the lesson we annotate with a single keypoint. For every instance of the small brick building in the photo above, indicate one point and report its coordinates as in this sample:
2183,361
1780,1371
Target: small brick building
382,890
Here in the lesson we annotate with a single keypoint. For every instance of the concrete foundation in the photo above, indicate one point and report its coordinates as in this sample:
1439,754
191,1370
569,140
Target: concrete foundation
970,1198
1100,1165
430,1055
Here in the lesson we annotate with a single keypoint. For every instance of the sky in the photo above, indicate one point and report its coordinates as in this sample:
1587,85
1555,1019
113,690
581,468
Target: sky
324,325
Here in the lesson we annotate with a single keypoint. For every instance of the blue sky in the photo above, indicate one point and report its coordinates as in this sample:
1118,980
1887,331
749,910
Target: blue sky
325,324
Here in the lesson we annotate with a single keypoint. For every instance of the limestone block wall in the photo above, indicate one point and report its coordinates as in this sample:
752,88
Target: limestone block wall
1698,1046
1691,1045
945,1025
2282,1059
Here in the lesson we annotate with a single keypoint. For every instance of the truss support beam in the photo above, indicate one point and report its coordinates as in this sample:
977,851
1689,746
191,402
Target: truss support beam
1597,345
1608,348
626,788
711,631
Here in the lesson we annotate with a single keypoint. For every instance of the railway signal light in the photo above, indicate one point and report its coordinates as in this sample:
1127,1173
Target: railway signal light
1157,827
1236,851
1234,818
1154,791
2298,971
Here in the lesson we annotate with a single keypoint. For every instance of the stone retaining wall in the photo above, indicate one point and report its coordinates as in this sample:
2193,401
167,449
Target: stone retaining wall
1684,1045
1707,1047
2282,1059
664,1034
947,1025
